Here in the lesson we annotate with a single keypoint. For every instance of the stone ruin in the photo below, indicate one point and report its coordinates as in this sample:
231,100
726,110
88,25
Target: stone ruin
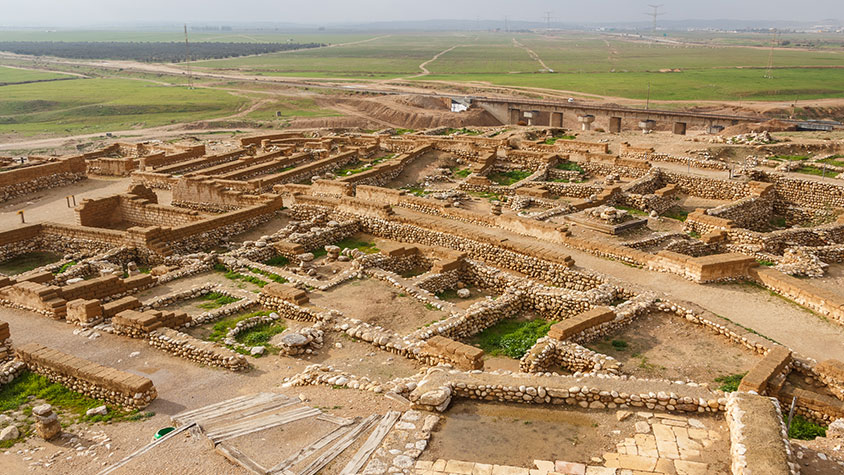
505,251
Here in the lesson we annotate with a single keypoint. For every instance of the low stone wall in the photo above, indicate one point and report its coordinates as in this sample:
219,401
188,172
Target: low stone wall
758,437
203,352
140,324
548,354
9,370
88,378
440,385
831,373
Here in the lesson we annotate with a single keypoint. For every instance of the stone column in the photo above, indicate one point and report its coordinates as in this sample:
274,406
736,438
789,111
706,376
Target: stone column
586,121
46,422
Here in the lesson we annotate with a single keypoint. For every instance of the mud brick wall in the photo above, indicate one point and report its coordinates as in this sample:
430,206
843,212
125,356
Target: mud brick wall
758,437
257,139
816,407
827,303
157,161
122,166
831,373
766,371
43,299
88,378
533,159
5,342
438,349
573,326
188,166
262,165
612,165
566,146
210,195
106,287
305,171
57,173
139,324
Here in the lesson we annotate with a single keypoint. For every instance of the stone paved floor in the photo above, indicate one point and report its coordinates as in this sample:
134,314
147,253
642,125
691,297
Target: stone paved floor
663,443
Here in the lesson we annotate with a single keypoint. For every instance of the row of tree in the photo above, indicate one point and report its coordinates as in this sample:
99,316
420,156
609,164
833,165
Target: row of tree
153,52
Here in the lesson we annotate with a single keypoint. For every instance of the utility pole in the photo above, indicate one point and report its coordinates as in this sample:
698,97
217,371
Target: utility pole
769,72
187,58
506,25
648,102
656,13
548,21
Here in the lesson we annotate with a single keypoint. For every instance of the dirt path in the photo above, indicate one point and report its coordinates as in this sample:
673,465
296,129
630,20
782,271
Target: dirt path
424,65
533,55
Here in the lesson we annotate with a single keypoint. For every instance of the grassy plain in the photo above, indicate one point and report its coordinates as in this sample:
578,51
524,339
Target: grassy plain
14,75
98,105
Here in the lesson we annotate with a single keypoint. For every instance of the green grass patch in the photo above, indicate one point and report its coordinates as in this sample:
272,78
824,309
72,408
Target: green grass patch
416,191
810,170
633,211
363,246
461,131
486,195
273,277
778,222
461,172
216,300
64,267
448,294
221,327
27,262
512,338
260,335
401,131
277,261
677,213
804,429
509,177
790,158
729,383
553,140
619,345
833,160
766,263
694,234
29,384
570,166
232,275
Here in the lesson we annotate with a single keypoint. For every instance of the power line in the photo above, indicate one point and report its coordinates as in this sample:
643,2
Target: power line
187,58
548,20
656,13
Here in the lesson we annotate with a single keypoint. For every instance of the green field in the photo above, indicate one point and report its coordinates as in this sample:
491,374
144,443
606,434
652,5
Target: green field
14,75
178,35
99,105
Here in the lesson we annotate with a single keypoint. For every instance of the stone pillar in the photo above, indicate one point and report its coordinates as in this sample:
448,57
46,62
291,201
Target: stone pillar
615,125
495,208
46,422
680,128
586,121
647,126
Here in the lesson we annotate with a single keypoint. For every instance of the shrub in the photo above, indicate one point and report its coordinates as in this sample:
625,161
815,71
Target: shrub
729,383
511,337
804,429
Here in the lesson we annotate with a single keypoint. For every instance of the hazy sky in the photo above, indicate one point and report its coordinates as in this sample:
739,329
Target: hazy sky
88,12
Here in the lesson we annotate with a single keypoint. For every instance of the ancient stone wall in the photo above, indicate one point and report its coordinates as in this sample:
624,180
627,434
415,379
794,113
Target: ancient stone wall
88,378
758,438
60,172
203,352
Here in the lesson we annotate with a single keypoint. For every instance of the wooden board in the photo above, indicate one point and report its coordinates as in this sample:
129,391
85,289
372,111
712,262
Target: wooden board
372,443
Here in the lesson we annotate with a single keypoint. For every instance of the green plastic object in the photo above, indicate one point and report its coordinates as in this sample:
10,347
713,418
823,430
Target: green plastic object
161,433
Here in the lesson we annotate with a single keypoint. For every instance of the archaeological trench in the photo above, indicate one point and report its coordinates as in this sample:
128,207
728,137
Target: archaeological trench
389,261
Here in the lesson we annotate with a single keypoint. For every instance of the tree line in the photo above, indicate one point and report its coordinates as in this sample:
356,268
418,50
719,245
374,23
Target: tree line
152,52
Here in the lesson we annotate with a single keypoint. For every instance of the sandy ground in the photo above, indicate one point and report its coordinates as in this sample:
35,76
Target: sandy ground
50,205
659,346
